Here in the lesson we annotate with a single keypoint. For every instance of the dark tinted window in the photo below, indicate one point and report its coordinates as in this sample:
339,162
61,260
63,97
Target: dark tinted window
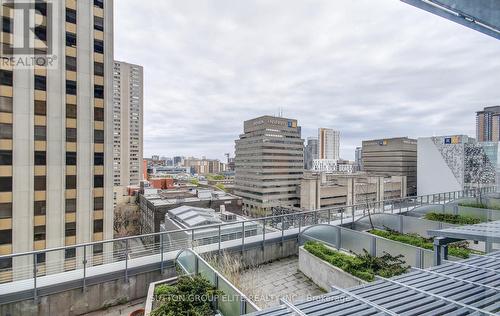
6,25
5,131
6,210
98,46
40,183
6,77
71,110
98,114
70,16
40,108
40,132
40,207
70,63
98,159
98,181
98,226
40,83
6,236
98,69
98,91
6,104
41,32
70,158
98,203
98,23
41,7
71,134
98,136
40,158
70,253
70,182
99,3
5,157
70,229
39,233
70,39
70,205
5,184
71,87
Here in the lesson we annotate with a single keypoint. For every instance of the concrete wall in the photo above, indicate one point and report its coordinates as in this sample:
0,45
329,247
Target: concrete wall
324,274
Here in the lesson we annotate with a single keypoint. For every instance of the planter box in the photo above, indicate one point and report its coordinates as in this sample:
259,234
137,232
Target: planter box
324,274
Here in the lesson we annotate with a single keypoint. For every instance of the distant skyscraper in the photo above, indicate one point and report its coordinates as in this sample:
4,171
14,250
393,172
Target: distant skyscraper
328,144
358,158
311,152
269,163
127,117
488,124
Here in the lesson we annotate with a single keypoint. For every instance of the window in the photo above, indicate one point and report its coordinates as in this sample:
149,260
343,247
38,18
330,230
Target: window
71,87
41,32
40,132
41,7
40,258
6,263
69,253
70,39
98,46
71,134
98,91
98,203
40,158
6,104
5,131
71,110
98,226
6,236
7,25
70,63
98,69
98,23
5,184
6,49
39,233
70,229
71,158
6,210
39,207
97,249
40,83
98,181
98,114
6,77
70,205
70,16
40,108
40,183
99,3
5,157
70,182
98,159
98,136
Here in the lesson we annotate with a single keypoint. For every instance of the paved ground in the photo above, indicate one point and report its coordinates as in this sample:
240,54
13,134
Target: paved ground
120,310
268,283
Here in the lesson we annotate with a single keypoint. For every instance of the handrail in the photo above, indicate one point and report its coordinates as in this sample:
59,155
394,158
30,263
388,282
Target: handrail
341,208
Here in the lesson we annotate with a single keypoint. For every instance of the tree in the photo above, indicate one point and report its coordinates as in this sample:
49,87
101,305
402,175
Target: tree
364,198
126,220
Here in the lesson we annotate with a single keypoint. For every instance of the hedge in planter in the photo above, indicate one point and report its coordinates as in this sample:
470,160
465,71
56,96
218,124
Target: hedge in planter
363,266
453,219
189,296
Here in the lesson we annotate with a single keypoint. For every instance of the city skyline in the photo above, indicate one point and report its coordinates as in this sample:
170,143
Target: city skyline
226,65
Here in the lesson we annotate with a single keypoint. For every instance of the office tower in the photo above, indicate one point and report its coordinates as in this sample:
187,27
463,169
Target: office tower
311,152
358,158
328,144
487,124
57,135
128,124
392,157
269,163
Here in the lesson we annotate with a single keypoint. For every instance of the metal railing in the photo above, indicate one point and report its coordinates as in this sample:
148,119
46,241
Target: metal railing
232,301
121,253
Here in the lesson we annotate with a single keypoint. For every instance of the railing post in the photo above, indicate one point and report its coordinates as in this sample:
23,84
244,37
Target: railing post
242,306
242,237
373,246
282,235
161,254
192,238
220,241
338,237
126,260
341,216
35,290
85,267
329,215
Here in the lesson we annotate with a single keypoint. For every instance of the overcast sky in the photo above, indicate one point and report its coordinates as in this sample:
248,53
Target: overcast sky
371,69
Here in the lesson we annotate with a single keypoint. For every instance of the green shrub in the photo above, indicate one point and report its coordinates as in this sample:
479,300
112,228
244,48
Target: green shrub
473,204
363,266
189,296
452,219
458,249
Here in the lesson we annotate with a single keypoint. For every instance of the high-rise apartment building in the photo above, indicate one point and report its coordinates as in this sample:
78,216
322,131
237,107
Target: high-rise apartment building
328,144
488,124
269,163
358,158
128,123
392,157
56,134
311,152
